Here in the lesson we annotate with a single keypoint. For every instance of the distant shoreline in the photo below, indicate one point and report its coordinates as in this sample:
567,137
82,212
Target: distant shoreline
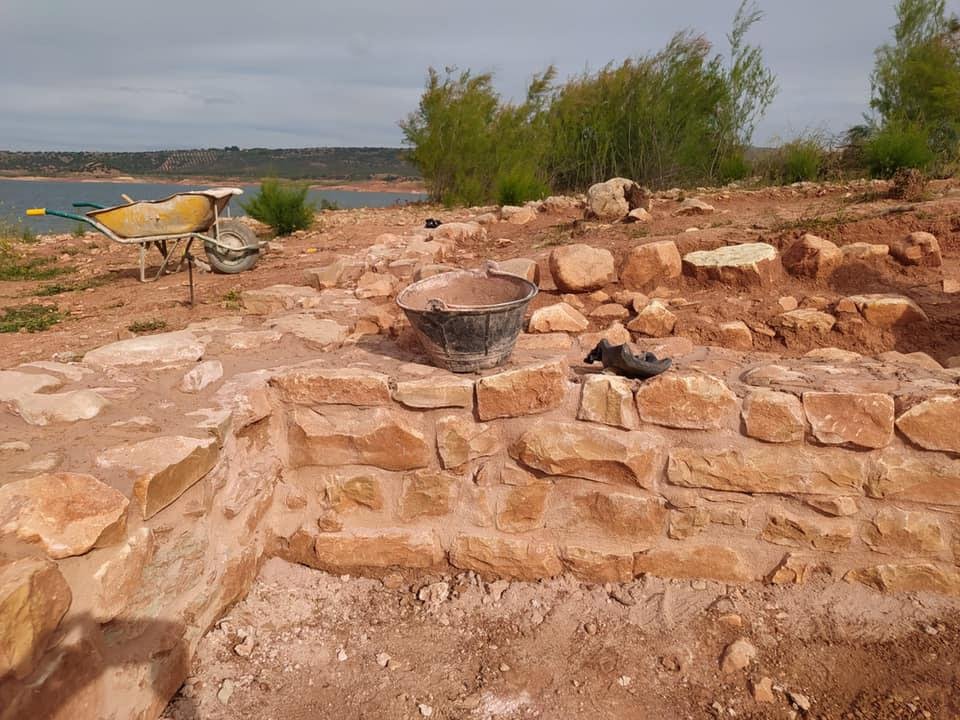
412,187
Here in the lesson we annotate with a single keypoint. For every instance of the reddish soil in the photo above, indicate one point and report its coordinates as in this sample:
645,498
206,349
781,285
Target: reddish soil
560,649
775,215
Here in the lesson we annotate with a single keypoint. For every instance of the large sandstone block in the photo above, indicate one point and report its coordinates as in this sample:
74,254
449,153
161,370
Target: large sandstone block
460,439
611,200
812,257
921,478
917,248
67,407
518,558
163,349
557,318
427,493
933,424
773,416
521,508
525,391
804,321
608,399
360,489
651,264
621,515
590,452
861,419
826,534
714,562
377,548
695,402
280,298
887,310
162,468
522,267
66,513
908,577
769,469
747,264
201,376
443,391
33,599
458,233
375,437
597,565
905,533
581,268
308,385
341,271
693,206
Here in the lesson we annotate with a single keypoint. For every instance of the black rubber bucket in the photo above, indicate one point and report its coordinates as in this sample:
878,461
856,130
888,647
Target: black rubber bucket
468,320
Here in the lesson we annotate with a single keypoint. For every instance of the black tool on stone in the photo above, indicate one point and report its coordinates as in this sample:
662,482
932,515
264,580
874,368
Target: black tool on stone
624,362
430,224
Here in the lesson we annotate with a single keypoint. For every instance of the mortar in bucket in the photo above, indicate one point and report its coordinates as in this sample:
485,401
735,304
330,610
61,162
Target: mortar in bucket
468,320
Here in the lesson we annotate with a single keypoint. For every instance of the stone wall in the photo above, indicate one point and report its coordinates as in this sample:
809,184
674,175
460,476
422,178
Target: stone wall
535,471
731,467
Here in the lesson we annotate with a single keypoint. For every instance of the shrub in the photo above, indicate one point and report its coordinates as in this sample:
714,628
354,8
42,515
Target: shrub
895,147
682,115
282,206
733,168
520,185
801,160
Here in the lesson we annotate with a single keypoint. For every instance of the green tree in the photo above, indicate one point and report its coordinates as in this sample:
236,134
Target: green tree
916,79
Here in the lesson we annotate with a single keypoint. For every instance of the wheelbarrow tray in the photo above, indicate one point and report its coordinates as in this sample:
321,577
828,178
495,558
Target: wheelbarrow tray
180,214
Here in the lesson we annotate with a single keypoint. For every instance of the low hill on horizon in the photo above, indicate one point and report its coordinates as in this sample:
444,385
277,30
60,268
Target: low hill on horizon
331,163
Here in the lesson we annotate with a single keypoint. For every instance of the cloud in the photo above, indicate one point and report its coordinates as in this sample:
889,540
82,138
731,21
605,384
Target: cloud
106,74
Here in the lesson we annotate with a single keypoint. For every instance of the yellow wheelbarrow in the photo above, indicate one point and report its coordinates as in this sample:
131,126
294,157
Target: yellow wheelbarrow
174,223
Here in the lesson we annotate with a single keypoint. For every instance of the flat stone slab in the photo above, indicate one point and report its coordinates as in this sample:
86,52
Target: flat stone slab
164,349
749,263
887,310
313,330
14,384
38,409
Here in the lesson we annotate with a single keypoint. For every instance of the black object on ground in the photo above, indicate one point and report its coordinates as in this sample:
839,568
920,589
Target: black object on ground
624,362
431,223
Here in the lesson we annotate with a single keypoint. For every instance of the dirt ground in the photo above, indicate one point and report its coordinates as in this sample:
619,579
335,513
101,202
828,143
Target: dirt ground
308,645
102,297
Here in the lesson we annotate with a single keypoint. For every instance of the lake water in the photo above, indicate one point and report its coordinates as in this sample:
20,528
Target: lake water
18,195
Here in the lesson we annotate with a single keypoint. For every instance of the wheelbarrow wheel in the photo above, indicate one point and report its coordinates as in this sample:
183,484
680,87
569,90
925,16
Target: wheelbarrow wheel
244,248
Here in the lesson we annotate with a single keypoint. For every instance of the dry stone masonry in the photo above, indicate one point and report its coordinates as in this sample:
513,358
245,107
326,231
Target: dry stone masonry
131,534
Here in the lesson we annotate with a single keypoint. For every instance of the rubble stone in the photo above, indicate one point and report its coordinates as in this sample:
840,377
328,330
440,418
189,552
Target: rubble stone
655,320
560,317
608,399
773,416
904,533
460,440
517,558
162,468
917,248
650,264
319,385
581,268
932,424
590,452
812,257
861,419
688,401
525,391
65,513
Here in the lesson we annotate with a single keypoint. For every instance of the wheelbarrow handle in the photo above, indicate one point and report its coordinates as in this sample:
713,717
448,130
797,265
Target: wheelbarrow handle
34,212
88,205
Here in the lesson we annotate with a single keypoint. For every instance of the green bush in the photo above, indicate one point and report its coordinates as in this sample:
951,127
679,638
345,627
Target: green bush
682,115
282,206
896,147
518,186
801,160
733,168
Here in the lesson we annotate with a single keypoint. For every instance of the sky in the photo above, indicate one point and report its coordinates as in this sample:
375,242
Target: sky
141,75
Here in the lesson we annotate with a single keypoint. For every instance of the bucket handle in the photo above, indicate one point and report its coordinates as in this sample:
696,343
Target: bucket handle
490,267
